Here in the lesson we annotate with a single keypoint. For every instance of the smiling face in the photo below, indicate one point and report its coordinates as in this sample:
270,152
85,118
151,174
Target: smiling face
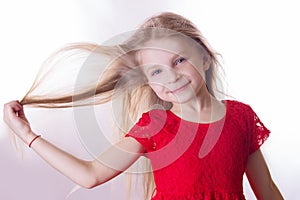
175,69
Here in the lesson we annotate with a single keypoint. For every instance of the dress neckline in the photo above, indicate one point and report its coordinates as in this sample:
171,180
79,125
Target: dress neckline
225,102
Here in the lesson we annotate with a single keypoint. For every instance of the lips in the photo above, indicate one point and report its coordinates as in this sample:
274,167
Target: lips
181,88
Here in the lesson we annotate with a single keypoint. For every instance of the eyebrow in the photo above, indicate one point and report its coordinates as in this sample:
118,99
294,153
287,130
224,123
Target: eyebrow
149,67
179,54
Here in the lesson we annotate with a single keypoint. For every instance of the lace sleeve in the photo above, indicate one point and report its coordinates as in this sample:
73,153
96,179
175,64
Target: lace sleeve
149,125
258,132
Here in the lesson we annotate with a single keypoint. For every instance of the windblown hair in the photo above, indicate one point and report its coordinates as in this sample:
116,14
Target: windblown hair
112,73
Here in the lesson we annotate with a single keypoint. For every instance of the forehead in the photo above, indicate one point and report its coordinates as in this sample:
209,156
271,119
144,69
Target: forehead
162,49
155,56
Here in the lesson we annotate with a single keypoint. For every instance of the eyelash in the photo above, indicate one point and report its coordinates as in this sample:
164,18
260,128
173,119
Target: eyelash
156,72
179,60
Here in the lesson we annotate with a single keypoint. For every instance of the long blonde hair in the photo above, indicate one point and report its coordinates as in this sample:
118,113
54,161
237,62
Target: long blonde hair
120,77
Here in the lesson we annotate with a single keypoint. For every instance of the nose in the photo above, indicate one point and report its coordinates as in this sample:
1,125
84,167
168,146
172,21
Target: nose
172,76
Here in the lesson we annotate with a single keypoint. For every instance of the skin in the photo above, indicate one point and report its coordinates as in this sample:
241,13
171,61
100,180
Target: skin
174,76
178,77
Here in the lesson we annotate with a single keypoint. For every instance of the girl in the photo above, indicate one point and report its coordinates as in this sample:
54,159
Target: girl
165,75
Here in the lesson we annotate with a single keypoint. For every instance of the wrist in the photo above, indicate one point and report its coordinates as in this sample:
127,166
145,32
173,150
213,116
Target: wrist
36,137
29,137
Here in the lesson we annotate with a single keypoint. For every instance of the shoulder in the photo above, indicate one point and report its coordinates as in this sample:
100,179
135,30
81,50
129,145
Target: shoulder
238,105
152,116
240,111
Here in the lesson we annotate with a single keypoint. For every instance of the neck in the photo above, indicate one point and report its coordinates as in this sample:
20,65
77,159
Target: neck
202,101
204,108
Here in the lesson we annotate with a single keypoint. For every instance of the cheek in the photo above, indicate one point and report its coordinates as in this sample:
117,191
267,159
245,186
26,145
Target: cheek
158,79
159,91
198,75
156,87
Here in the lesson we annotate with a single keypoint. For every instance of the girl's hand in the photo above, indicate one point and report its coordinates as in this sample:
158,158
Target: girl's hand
14,117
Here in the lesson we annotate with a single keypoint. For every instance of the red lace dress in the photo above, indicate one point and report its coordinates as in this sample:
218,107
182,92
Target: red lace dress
193,161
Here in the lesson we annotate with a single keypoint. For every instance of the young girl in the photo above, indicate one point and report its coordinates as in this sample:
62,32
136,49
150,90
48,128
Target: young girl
165,74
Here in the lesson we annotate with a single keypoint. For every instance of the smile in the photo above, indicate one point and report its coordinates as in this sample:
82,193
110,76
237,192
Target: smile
180,88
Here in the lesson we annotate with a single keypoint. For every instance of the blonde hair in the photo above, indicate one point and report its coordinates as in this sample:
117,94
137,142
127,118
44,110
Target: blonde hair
121,78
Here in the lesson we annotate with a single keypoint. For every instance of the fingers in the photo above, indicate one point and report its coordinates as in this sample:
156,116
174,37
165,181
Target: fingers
14,117
12,109
14,104
21,111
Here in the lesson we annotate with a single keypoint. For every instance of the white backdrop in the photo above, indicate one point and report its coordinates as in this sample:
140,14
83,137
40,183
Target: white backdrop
259,42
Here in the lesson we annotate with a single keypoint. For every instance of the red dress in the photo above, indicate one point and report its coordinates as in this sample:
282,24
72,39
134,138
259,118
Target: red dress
196,161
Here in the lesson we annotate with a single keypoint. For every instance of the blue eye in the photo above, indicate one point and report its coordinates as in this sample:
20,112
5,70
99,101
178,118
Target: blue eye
156,72
179,60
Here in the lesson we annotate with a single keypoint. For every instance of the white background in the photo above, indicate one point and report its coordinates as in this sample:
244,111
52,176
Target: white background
259,42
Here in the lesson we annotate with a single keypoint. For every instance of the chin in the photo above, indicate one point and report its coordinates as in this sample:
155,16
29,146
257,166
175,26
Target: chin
182,100
178,99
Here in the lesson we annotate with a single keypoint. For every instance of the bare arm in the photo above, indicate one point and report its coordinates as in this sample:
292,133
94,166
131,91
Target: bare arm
87,174
260,178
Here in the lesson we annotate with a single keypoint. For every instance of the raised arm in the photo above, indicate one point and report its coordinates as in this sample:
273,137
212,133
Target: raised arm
87,174
260,178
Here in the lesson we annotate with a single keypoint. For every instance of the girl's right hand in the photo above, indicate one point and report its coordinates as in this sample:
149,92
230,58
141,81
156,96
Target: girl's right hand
14,117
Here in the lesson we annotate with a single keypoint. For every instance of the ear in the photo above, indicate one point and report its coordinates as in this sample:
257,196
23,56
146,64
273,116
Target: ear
206,62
